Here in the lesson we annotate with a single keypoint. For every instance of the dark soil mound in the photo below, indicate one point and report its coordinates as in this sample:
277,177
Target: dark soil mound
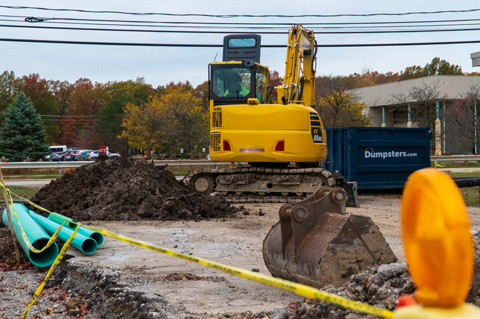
127,189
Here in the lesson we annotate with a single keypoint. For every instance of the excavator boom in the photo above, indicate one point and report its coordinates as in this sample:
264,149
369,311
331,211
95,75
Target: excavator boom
299,81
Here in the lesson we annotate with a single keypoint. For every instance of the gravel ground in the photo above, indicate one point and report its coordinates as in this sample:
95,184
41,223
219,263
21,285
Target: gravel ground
17,289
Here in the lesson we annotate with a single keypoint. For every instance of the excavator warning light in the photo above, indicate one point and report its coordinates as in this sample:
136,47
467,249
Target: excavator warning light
226,146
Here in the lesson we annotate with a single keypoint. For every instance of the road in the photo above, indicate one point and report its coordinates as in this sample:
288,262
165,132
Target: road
28,182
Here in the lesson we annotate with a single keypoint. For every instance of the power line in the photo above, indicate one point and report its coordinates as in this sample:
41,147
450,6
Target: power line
358,30
200,24
185,45
261,23
243,15
311,26
232,32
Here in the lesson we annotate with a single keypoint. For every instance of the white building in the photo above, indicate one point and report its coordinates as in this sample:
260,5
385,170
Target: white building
445,103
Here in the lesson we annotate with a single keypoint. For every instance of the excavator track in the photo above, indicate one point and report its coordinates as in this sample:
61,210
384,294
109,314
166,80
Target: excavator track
261,185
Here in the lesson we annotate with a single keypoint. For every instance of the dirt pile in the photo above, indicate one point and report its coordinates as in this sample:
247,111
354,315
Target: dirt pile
127,189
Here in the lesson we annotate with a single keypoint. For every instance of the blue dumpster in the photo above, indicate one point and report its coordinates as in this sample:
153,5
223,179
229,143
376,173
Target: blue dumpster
377,157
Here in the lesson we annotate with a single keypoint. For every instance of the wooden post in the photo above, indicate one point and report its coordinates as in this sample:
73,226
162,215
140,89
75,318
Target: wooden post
14,238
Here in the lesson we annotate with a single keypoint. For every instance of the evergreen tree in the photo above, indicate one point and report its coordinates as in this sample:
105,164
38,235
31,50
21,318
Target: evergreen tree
23,135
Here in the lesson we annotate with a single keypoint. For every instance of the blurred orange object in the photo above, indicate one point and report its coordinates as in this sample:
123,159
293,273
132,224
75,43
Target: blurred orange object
437,240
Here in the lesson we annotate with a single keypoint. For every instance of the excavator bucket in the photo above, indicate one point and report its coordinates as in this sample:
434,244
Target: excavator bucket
316,243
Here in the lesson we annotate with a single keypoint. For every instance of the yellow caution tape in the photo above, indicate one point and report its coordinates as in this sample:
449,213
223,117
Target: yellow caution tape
299,289
50,271
22,232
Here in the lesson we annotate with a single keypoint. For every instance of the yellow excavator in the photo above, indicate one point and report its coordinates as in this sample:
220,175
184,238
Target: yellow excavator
275,148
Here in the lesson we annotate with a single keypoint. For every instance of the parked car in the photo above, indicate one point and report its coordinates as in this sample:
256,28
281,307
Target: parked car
113,154
93,155
70,154
57,148
81,155
58,156
53,156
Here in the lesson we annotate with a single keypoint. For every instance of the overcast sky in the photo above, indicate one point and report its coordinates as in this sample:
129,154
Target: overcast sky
161,65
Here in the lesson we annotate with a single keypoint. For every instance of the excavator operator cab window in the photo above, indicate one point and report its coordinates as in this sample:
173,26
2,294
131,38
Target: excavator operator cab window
262,85
232,83
237,83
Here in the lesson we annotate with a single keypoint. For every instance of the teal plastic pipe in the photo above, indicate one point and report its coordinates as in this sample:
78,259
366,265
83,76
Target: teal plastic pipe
85,244
71,223
35,234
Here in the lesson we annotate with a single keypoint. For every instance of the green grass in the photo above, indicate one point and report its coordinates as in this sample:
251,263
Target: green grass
470,194
456,165
471,174
23,191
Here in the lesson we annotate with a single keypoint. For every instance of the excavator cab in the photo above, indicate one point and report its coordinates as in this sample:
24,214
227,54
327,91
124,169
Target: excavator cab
236,82
240,76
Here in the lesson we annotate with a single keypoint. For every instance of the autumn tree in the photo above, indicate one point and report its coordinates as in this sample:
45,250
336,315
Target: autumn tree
168,122
335,105
143,125
441,67
23,135
371,78
275,80
39,92
412,72
188,121
61,91
436,67
110,115
463,119
422,100
201,92
84,101
9,88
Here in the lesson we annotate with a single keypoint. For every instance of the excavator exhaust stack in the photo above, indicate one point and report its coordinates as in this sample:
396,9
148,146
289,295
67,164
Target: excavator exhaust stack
316,243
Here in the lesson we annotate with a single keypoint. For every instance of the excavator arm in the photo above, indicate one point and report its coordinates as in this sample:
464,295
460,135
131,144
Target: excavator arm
299,80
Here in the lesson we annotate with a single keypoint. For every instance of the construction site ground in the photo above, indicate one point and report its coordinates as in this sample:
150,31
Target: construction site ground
124,281
234,242
194,291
